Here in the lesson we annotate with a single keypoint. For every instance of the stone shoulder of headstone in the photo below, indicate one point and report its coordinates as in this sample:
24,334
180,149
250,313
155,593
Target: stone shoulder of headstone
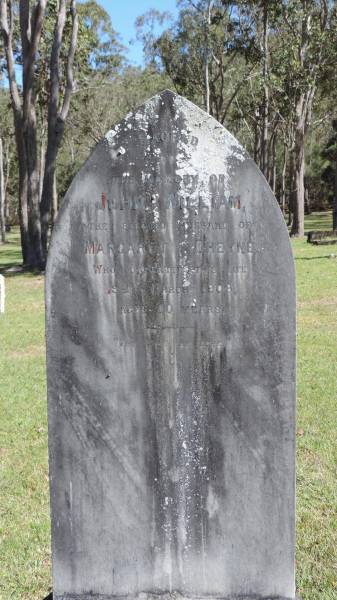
2,294
170,298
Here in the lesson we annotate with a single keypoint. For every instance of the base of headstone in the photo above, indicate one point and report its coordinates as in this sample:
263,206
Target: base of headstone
167,596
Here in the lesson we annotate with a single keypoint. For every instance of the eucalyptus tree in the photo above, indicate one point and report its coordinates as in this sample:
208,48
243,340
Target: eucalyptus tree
308,30
52,41
2,197
199,52
329,153
28,22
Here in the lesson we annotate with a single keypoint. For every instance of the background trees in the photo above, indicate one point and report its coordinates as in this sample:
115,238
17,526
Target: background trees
266,70
42,38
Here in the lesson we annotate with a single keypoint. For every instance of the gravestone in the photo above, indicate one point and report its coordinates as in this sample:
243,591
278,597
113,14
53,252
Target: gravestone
171,368
2,294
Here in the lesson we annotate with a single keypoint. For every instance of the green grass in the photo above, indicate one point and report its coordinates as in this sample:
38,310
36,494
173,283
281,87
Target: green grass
24,504
318,221
316,268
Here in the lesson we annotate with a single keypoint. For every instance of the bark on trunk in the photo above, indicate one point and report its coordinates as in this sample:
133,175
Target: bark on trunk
307,210
55,135
297,228
257,139
2,196
283,180
8,166
55,201
303,115
23,204
334,208
42,165
272,163
207,54
57,116
35,250
265,105
292,189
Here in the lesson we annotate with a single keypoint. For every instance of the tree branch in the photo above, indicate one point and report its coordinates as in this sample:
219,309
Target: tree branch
7,36
31,29
324,14
36,26
24,14
55,63
195,6
70,64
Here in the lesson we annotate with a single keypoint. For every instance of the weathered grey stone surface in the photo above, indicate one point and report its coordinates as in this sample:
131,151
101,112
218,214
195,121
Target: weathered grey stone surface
2,294
171,368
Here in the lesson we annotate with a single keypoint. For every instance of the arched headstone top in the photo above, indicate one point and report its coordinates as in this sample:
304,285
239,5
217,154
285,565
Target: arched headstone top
171,368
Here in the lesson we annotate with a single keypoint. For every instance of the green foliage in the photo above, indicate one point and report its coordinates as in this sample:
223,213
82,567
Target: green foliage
10,158
183,49
229,41
99,50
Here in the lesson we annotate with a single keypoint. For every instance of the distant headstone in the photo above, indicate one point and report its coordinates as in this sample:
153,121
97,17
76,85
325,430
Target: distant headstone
2,294
171,368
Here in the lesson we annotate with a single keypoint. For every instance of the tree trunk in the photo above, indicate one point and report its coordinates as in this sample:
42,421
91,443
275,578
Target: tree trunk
283,180
292,189
8,163
272,163
56,115
207,94
207,53
42,165
297,228
2,197
55,134
23,103
302,115
55,201
23,204
34,224
265,105
257,138
307,210
334,208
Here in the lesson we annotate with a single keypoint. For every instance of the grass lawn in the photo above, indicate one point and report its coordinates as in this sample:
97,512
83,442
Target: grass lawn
24,504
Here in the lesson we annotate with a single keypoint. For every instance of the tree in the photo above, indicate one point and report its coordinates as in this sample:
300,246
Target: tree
49,40
58,110
96,107
330,153
24,108
2,197
308,27
199,52
256,67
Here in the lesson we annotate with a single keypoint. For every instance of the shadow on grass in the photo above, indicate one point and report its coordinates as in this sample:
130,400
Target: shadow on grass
11,261
13,269
10,258
314,257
